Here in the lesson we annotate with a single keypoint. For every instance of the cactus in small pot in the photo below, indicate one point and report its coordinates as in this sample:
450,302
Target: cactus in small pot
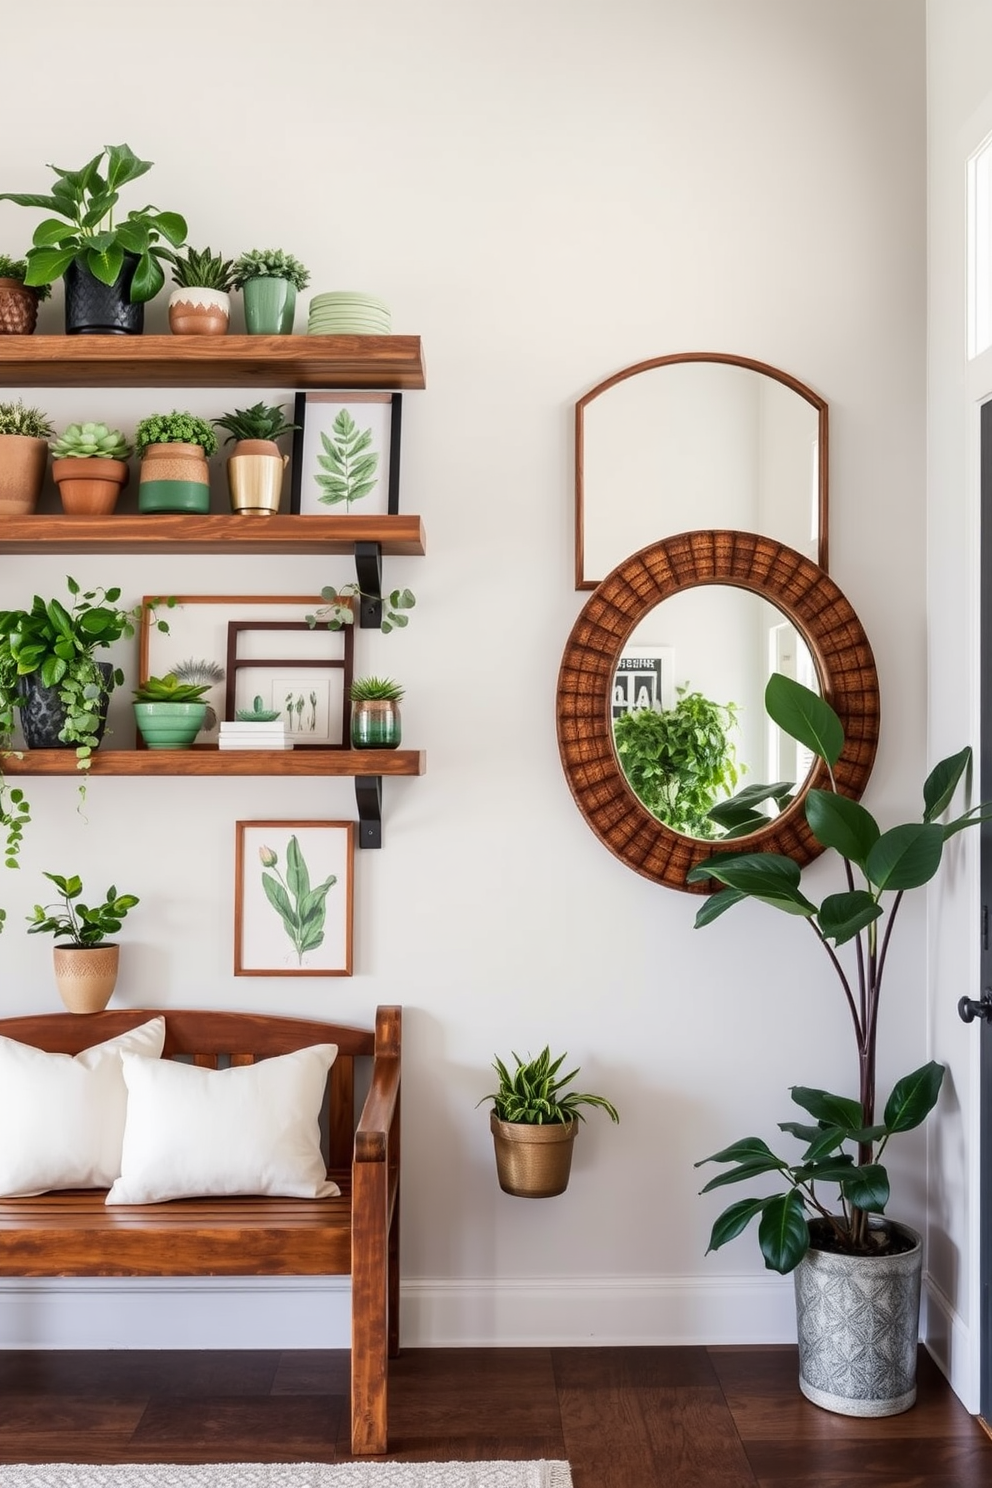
89,465
201,305
269,280
24,435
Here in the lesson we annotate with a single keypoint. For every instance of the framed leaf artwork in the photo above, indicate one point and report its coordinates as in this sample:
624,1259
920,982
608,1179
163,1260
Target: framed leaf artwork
346,454
293,898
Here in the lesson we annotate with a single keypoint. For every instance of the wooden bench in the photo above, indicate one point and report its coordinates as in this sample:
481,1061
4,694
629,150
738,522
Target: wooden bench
73,1233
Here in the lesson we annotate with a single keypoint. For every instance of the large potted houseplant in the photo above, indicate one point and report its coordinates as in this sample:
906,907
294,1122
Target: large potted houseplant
174,449
85,962
111,264
18,301
24,436
89,466
200,305
534,1119
256,464
269,280
857,1273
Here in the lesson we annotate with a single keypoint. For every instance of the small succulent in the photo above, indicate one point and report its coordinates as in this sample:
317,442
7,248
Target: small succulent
257,713
201,270
86,441
16,268
269,263
15,418
375,689
168,689
260,421
175,428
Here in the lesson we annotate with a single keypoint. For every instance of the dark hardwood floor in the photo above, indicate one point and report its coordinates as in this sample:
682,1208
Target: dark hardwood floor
623,1417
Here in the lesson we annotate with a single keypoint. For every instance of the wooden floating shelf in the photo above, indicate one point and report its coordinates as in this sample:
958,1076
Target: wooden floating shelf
212,761
213,361
399,536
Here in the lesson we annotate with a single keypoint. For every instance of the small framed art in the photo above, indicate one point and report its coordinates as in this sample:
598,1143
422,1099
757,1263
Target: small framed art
346,454
293,898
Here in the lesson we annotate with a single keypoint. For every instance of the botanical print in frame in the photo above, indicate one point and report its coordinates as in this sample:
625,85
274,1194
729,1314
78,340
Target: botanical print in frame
294,898
644,678
197,640
346,454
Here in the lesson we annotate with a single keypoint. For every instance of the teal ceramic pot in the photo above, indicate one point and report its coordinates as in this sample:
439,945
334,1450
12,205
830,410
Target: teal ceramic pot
375,724
174,478
270,306
174,496
169,725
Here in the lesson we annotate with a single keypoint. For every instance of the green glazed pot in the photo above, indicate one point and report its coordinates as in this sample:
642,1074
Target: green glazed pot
375,724
270,306
169,725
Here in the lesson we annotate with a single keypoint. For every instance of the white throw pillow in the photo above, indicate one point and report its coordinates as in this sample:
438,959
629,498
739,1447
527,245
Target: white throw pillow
62,1115
250,1129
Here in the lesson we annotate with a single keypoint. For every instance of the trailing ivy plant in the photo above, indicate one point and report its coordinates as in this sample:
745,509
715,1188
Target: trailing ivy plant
678,761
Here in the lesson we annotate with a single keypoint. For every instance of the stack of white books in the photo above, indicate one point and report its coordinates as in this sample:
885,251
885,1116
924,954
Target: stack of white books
273,735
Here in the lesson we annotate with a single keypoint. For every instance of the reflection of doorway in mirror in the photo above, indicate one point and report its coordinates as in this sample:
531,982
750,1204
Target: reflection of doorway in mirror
644,678
789,654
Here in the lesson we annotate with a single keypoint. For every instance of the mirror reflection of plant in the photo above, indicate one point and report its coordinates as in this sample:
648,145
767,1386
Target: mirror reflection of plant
349,463
679,760
301,908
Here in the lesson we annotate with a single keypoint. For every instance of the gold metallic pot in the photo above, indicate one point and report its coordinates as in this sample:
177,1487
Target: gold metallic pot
254,477
533,1162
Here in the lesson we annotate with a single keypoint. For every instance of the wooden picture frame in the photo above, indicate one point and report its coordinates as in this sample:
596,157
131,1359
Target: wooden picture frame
283,924
339,434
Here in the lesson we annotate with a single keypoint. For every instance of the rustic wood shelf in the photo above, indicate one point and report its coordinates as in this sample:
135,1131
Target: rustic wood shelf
209,760
398,536
213,361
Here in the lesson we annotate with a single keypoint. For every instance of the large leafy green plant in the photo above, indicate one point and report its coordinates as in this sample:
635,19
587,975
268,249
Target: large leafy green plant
678,761
88,233
843,1141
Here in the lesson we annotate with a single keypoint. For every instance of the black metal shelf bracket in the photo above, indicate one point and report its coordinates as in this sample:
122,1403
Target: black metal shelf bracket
368,565
368,793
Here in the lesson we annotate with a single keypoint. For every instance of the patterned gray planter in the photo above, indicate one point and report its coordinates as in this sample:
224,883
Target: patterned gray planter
859,1323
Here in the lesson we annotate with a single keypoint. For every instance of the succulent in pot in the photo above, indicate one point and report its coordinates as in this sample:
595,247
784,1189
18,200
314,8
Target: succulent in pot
375,713
24,436
86,963
18,301
269,280
201,304
111,264
534,1120
256,465
89,465
173,448
169,713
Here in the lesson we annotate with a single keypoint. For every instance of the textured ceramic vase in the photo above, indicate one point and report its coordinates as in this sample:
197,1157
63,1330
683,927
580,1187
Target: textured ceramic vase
199,312
376,724
270,306
169,725
42,714
858,1320
532,1162
23,461
86,976
89,486
18,308
174,478
93,308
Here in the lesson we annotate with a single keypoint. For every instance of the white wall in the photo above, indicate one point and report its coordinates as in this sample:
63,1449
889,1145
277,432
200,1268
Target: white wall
546,192
959,36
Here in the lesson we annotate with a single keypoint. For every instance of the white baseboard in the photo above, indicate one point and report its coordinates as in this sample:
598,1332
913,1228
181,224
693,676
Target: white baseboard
952,1343
287,1312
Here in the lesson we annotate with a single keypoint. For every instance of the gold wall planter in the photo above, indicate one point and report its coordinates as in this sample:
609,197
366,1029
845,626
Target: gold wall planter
533,1162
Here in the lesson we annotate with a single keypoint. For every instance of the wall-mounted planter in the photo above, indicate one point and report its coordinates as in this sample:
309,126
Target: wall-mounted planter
533,1162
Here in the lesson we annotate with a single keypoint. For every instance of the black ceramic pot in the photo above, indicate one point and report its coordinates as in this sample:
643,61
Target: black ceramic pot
96,309
43,714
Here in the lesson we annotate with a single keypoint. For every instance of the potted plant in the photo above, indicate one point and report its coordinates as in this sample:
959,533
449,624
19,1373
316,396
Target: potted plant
86,963
679,760
865,1261
375,713
534,1121
201,305
24,436
173,449
18,301
255,466
89,464
269,280
169,713
110,265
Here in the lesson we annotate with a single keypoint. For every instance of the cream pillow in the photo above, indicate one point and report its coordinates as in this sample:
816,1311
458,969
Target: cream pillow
250,1129
62,1115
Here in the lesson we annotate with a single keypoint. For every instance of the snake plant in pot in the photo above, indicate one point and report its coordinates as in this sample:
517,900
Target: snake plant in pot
534,1120
854,1358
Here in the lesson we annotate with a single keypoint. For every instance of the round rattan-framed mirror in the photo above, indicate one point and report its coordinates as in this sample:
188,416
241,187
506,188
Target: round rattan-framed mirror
804,594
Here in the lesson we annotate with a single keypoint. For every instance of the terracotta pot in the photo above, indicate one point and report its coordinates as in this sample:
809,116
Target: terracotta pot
86,976
174,477
90,486
254,477
22,470
532,1162
18,308
199,312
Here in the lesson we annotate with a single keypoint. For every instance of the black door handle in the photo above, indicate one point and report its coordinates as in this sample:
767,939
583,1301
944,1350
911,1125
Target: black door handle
969,1009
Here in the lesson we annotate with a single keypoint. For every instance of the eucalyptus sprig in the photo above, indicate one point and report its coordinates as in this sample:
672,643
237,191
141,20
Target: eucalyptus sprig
339,611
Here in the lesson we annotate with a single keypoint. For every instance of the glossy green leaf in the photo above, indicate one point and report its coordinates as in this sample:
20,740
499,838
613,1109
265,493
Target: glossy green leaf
733,1220
867,1188
842,824
906,857
804,716
841,916
783,1234
913,1098
716,905
942,782
833,1110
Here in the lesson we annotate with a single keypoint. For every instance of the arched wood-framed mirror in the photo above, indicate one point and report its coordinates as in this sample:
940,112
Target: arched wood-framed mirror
697,439
805,595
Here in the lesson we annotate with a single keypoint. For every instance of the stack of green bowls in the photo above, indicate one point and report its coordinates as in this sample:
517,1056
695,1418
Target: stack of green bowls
344,313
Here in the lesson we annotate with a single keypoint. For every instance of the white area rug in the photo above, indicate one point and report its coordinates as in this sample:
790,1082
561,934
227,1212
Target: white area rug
291,1475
